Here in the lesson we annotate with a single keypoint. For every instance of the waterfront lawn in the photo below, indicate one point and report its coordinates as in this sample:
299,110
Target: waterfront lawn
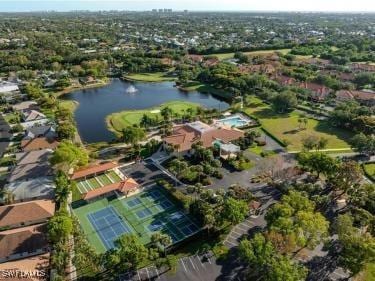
225,56
150,77
285,127
118,121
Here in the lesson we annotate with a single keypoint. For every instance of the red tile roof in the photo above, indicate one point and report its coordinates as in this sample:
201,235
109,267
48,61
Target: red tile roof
124,186
93,170
185,136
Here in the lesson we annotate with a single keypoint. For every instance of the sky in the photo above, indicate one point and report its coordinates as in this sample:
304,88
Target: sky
200,5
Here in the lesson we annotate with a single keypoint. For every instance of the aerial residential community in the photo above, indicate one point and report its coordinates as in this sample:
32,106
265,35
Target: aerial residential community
184,145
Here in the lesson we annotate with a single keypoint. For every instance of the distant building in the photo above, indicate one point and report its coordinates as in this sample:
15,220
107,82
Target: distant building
363,97
184,136
318,92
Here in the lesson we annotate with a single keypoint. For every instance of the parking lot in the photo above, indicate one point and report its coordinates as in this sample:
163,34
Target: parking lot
197,267
145,173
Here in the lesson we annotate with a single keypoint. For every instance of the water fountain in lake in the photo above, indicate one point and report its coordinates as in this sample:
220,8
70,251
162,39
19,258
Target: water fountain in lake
131,90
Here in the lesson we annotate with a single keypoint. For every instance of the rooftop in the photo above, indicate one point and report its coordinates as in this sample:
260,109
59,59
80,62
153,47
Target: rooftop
26,212
93,170
23,240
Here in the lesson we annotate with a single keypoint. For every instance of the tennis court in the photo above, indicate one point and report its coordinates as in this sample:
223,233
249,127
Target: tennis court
108,225
98,181
152,210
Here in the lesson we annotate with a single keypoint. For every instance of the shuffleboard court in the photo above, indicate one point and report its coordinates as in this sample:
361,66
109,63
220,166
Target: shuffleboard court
108,225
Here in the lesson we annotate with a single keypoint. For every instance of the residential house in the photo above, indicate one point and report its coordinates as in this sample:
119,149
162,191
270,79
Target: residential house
33,118
285,80
211,62
363,97
10,91
20,243
36,268
361,67
47,132
25,214
32,177
25,105
38,144
318,92
195,58
184,136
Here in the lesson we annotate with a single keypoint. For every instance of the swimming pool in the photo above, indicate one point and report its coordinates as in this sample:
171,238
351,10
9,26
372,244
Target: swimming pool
234,121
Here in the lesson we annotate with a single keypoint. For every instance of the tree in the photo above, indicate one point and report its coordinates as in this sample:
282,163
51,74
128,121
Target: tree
132,135
358,248
166,112
59,227
266,264
33,91
66,130
285,101
317,162
128,254
285,269
348,175
62,189
67,155
314,142
161,241
235,211
363,144
295,215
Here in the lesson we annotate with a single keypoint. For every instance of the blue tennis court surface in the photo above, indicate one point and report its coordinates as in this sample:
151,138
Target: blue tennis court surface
108,225
143,213
134,202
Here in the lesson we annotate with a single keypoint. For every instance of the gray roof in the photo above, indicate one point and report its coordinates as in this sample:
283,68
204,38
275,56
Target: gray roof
41,187
31,165
36,131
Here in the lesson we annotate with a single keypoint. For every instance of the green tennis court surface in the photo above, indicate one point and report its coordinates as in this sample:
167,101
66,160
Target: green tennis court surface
97,181
103,221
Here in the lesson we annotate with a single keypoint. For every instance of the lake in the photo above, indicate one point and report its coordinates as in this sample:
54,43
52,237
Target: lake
97,103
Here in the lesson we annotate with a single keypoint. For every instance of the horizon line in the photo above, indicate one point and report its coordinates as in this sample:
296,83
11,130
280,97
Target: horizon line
193,10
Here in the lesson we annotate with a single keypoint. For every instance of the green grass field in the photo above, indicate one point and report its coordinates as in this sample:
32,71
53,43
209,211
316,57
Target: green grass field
150,77
139,225
370,169
285,127
225,56
119,120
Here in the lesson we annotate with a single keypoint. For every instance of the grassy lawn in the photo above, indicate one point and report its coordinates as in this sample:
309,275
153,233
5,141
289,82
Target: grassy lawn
150,77
118,121
256,149
368,274
370,169
225,56
285,127
69,104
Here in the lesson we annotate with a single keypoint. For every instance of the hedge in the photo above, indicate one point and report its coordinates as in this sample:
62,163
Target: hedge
273,137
